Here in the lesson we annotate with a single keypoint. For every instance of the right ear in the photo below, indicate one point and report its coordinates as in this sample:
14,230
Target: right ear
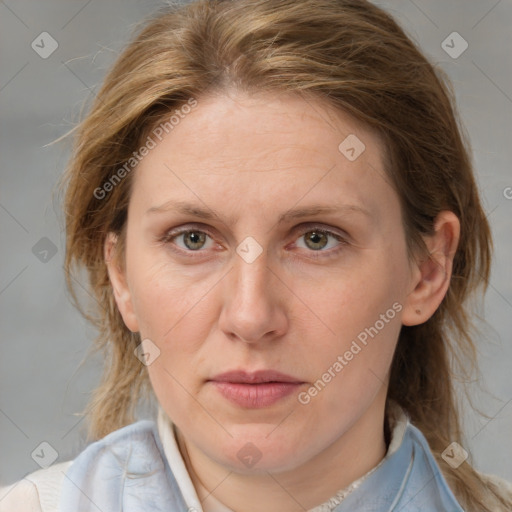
117,276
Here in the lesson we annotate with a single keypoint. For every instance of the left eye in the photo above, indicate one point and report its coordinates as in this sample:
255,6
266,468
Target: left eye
318,239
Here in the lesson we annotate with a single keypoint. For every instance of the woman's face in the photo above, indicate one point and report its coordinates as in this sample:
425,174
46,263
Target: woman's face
262,235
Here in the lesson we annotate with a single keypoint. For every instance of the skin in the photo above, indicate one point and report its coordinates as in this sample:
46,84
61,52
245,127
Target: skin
251,159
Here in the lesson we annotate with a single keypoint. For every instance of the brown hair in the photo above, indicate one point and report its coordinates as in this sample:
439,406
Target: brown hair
353,55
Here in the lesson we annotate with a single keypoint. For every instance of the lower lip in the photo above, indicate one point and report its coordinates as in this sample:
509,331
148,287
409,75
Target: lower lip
255,395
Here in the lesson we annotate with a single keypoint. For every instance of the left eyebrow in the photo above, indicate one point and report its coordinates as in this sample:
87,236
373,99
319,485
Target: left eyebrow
310,211
315,210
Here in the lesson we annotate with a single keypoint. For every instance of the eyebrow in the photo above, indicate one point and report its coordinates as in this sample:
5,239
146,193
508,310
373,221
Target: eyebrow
208,214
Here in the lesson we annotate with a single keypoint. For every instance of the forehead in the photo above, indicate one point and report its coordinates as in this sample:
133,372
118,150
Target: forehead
262,149
239,122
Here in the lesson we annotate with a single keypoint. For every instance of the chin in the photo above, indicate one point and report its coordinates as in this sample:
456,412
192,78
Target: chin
253,450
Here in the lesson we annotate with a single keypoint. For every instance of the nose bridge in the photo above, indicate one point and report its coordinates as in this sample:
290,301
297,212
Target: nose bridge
251,279
250,284
251,267
251,306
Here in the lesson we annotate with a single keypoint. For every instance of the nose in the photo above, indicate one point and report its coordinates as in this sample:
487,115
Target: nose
254,302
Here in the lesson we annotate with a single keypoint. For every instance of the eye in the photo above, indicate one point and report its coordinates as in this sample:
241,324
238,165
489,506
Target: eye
192,240
317,240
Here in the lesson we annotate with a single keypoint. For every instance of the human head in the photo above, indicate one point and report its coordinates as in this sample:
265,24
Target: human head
347,53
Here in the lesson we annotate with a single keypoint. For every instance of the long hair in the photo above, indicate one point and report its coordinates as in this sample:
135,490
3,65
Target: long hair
351,54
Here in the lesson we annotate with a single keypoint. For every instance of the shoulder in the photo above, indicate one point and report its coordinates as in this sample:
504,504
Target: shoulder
21,496
502,485
496,480
135,443
37,492
126,470
494,492
41,490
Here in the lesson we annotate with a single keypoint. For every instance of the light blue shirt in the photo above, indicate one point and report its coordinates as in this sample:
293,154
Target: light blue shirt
127,471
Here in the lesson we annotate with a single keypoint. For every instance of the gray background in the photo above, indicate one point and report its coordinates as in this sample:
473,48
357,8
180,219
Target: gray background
44,339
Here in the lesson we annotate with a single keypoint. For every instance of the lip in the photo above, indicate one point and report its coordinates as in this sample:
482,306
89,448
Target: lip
258,377
257,389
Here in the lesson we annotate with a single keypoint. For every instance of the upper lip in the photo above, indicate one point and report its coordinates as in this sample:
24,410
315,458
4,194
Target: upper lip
257,377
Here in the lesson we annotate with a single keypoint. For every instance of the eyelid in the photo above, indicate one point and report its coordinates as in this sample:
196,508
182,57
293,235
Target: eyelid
186,228
312,226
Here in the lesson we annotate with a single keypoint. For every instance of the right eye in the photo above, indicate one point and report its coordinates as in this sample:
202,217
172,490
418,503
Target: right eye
188,240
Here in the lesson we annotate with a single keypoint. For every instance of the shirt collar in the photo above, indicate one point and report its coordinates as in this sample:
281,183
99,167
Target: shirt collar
202,499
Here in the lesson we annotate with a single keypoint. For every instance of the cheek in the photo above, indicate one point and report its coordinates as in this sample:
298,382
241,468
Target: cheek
362,310
163,296
176,314
356,298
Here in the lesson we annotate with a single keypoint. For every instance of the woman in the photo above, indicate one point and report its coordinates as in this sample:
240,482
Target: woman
279,219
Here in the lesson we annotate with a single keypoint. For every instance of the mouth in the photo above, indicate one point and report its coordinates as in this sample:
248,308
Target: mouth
257,389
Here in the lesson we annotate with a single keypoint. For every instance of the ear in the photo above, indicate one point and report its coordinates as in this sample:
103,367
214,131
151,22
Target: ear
431,277
117,276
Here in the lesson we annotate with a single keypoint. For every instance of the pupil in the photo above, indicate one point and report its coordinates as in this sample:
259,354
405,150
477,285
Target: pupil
315,237
195,238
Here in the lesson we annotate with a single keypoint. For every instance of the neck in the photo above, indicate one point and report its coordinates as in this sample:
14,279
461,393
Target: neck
350,457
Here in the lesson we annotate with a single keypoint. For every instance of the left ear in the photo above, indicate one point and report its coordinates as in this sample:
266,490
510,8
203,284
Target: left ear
431,277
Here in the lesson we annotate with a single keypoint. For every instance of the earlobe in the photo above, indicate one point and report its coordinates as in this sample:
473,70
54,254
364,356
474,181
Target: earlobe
117,276
431,276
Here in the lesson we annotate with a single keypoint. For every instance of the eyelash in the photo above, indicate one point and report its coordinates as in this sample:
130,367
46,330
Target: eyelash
169,236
